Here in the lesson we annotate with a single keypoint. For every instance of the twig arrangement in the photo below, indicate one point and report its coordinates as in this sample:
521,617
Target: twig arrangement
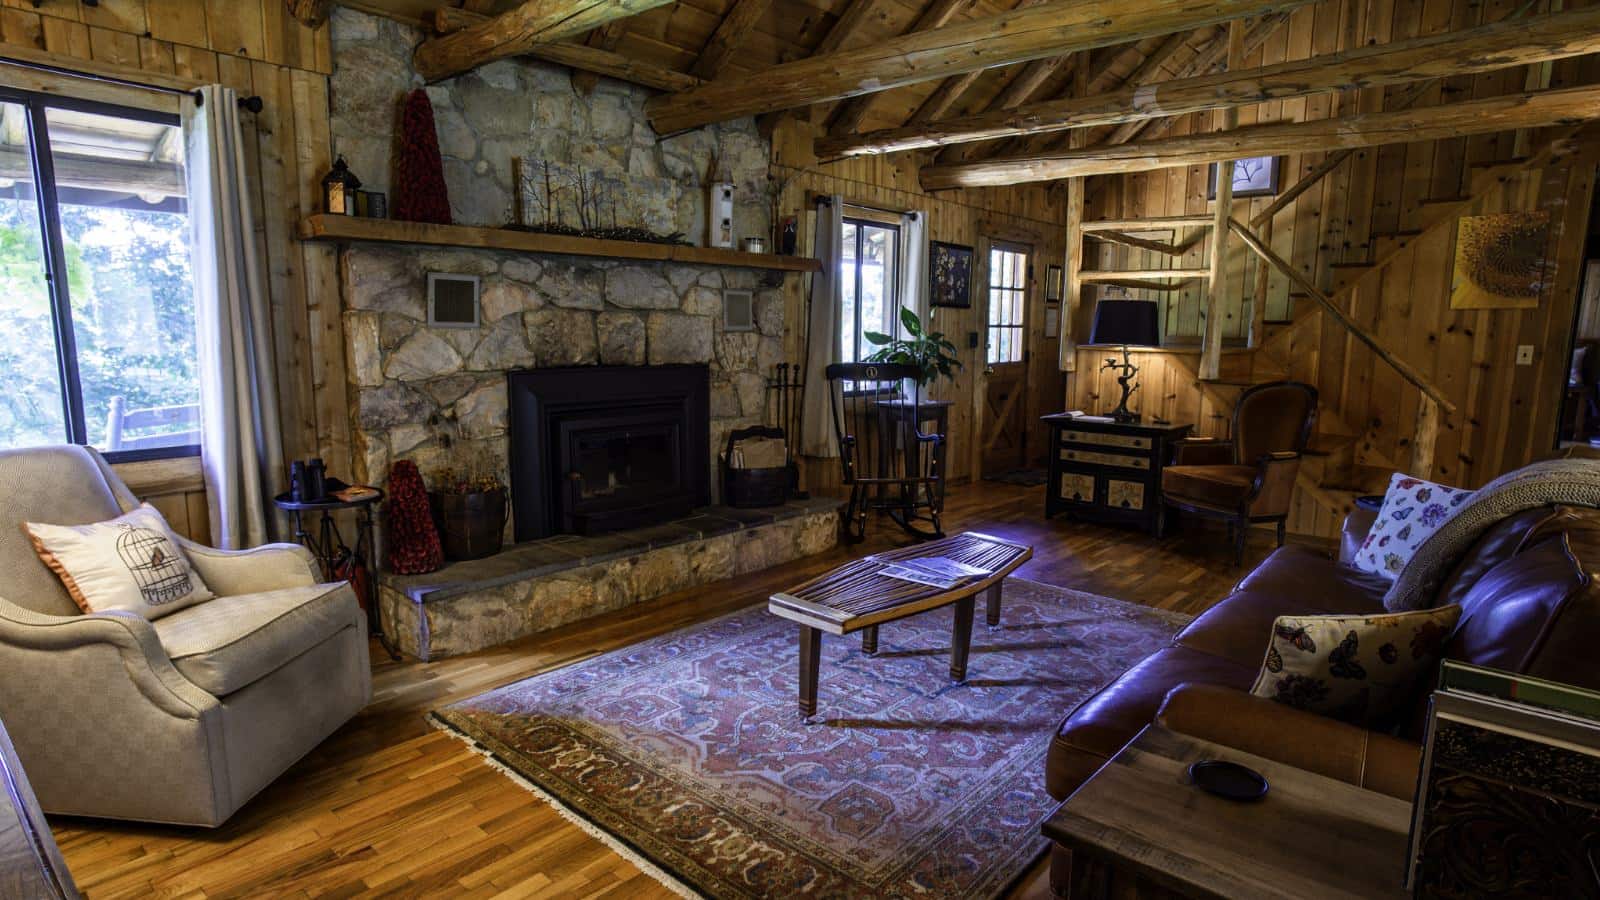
570,201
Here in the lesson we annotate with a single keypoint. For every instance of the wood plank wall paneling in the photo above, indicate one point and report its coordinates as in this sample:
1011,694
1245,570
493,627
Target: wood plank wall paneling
254,47
1360,212
970,217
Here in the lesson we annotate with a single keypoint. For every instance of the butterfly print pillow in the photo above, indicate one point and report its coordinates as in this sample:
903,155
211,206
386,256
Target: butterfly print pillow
1360,669
1412,511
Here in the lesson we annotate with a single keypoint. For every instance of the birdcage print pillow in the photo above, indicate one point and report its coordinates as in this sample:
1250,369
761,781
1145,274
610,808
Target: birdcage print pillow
131,563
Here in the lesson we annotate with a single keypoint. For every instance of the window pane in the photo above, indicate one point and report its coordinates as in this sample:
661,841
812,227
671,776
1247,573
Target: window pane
847,276
124,224
31,407
877,282
1019,270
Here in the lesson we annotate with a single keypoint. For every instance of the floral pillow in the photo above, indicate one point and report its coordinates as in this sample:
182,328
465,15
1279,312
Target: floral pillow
1412,511
1359,669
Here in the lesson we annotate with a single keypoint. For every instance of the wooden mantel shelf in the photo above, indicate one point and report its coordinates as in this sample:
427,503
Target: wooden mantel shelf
324,227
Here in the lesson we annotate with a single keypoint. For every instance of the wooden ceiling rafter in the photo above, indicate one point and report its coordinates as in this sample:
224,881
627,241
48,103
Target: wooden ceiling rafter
950,90
1021,35
517,31
1503,113
606,38
730,35
848,115
584,59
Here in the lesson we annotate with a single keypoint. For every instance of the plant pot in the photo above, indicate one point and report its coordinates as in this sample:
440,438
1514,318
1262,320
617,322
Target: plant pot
471,526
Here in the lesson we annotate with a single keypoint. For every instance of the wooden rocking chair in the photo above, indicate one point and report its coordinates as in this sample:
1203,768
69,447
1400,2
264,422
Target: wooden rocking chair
887,462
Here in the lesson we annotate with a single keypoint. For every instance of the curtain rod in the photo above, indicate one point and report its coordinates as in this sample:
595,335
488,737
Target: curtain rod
252,104
828,200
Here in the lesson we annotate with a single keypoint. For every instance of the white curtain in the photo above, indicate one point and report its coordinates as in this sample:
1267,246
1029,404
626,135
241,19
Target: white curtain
913,277
822,331
914,265
240,448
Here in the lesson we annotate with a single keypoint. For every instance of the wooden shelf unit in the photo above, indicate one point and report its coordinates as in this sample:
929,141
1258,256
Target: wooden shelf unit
325,227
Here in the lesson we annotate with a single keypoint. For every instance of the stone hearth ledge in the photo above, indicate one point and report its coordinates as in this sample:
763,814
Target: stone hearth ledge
539,585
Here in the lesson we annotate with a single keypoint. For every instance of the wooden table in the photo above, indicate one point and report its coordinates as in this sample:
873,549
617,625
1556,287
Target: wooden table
1139,822
855,597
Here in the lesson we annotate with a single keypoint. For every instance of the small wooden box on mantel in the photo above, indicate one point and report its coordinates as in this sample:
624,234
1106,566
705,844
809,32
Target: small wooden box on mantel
1103,471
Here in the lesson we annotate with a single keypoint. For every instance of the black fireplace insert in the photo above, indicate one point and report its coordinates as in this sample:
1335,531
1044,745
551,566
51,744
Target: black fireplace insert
601,448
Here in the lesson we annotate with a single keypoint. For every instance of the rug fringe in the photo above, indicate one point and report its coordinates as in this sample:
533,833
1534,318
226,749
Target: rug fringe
611,841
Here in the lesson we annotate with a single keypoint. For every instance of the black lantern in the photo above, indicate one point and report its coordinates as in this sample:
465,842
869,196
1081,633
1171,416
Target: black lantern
339,189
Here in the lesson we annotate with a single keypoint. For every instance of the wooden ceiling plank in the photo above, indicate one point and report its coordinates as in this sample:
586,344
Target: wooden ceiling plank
730,35
1504,113
850,113
606,38
1495,46
517,31
1021,35
580,57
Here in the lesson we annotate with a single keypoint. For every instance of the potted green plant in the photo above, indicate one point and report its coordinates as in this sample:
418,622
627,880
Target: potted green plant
471,513
928,351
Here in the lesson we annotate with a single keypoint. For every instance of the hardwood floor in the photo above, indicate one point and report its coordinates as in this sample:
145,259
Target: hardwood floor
388,806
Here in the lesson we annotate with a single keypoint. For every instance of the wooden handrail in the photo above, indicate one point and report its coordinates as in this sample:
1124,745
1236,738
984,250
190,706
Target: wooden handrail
1304,283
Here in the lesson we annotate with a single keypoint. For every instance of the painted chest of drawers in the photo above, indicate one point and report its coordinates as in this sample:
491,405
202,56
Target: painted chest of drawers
1108,471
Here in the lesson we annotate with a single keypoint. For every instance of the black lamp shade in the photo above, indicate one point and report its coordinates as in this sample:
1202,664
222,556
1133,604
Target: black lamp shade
1128,322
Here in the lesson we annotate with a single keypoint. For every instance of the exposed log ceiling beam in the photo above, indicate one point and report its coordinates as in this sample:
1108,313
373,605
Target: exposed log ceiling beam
948,92
519,30
606,37
1146,69
850,25
1487,48
729,37
586,59
848,115
1018,36
1521,110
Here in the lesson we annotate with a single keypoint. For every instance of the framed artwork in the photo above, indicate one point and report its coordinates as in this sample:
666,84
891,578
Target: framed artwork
1054,276
949,275
1253,176
1500,260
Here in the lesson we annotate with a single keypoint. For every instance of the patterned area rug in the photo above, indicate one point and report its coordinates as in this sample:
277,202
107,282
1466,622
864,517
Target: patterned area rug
688,750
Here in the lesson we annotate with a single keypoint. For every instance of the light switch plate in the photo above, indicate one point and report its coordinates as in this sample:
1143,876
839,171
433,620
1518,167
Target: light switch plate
1524,354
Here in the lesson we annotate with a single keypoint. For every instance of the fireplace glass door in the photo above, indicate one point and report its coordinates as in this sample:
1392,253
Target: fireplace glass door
619,470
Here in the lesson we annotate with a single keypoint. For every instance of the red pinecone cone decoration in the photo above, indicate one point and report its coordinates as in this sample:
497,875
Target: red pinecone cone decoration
420,191
413,541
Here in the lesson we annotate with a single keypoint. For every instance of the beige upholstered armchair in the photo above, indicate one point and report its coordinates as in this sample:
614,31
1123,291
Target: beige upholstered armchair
183,719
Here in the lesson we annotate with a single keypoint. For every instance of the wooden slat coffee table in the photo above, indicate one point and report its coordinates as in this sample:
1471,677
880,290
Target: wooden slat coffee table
1138,827
856,597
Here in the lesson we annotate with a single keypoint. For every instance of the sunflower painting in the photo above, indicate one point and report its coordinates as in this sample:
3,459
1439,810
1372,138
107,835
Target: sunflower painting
1500,261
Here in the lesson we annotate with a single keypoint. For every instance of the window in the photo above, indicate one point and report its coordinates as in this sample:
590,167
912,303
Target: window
869,277
1008,280
96,297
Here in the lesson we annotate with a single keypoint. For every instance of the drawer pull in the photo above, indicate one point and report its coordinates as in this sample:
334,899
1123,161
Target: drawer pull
1106,459
1129,441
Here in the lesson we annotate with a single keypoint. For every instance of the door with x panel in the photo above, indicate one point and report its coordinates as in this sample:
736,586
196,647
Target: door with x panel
1005,434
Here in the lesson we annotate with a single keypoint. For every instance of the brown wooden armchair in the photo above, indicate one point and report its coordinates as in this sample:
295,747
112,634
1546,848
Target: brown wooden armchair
1250,478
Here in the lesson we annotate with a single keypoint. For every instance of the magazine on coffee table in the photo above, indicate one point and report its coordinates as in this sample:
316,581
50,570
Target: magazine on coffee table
935,571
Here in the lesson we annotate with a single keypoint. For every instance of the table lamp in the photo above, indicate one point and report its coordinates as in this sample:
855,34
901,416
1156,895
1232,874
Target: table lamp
1132,323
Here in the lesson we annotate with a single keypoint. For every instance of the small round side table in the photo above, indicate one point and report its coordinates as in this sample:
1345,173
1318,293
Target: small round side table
328,546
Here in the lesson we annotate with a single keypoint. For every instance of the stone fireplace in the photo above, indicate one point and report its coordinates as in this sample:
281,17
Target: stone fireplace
601,448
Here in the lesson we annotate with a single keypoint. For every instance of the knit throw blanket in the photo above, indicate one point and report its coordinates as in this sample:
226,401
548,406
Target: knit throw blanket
1573,482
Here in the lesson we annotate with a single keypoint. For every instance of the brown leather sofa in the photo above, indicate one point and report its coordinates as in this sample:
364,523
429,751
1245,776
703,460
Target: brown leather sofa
1538,614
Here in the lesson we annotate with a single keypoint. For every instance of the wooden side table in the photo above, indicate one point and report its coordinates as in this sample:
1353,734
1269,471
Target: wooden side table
328,546
1139,824
1109,471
